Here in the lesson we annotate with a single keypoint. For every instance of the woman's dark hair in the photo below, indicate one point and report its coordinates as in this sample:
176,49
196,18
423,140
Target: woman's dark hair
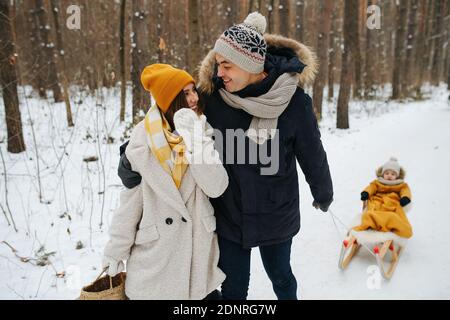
180,102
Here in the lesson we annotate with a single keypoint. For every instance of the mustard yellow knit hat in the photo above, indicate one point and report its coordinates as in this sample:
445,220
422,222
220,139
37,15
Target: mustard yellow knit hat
164,83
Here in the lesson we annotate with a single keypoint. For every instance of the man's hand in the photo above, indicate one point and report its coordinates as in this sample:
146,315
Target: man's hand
130,178
322,206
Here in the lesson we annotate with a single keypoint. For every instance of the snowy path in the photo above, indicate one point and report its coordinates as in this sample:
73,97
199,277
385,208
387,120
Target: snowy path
417,133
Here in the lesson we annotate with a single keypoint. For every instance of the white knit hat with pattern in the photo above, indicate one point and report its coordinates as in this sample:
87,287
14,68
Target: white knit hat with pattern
244,45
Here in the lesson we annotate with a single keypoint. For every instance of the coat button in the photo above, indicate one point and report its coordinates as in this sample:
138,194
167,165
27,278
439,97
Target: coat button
169,221
183,219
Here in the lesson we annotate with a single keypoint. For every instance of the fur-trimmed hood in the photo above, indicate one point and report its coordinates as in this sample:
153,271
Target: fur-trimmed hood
303,52
401,175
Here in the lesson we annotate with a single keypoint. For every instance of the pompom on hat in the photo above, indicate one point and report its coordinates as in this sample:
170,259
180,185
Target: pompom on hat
244,44
164,83
256,20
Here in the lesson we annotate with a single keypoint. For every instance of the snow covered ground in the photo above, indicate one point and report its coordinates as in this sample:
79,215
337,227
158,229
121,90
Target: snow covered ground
66,230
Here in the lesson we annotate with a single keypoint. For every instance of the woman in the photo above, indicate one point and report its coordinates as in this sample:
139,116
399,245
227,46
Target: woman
164,227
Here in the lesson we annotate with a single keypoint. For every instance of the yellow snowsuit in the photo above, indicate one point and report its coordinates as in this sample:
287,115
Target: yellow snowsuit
384,212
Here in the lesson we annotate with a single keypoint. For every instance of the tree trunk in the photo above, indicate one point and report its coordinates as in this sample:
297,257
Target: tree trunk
242,10
411,47
62,63
159,32
438,36
139,59
123,77
47,48
447,55
38,81
90,68
253,6
333,51
194,36
230,8
371,60
385,44
322,52
299,24
398,82
275,17
350,34
270,16
283,10
357,92
448,76
8,82
421,61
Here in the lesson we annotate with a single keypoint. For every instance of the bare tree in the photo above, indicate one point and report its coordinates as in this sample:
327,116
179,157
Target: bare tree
159,32
371,60
299,24
397,82
357,90
269,6
447,44
350,34
88,34
448,76
411,46
253,6
169,36
37,58
62,62
47,48
284,13
123,78
385,41
242,10
419,55
140,57
194,36
335,33
231,8
8,82
438,36
322,52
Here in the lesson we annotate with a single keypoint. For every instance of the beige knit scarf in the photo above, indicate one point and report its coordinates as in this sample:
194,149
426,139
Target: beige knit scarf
265,108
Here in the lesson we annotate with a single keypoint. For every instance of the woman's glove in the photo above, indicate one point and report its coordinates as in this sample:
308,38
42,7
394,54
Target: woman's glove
190,126
114,266
196,135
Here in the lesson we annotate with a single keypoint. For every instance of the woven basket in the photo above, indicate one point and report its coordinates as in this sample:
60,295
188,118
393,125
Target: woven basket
105,288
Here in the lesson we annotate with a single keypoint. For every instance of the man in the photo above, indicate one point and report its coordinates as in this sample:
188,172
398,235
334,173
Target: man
251,83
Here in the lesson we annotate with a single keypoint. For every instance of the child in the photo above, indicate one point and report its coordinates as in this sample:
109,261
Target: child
386,196
164,227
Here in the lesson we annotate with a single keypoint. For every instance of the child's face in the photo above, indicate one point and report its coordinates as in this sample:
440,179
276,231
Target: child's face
389,175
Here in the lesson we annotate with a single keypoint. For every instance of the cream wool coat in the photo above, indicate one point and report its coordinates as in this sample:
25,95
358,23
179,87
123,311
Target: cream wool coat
167,234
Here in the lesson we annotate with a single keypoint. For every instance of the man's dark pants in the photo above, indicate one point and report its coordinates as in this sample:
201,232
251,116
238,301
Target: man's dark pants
235,263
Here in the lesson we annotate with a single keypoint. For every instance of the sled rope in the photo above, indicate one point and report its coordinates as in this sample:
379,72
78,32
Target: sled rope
333,216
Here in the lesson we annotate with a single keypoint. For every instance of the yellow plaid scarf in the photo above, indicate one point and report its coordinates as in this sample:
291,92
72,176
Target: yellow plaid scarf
167,147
